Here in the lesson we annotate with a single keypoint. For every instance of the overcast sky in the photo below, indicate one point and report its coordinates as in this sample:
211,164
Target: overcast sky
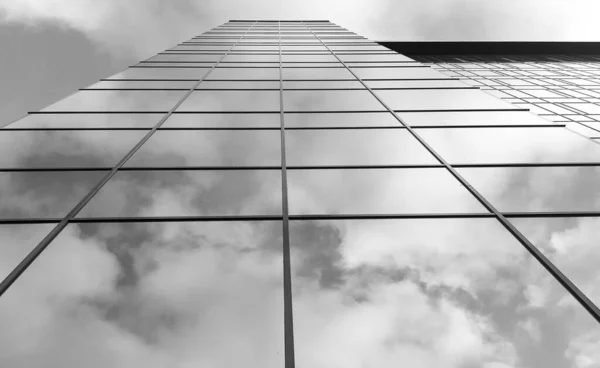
52,47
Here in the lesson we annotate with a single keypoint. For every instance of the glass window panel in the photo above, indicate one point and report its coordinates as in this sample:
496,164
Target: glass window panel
82,120
223,121
249,65
571,244
318,65
221,48
213,58
161,73
441,100
143,84
377,191
416,84
588,108
40,148
373,57
321,84
429,293
472,118
188,193
255,48
238,85
244,73
355,147
231,101
118,101
316,73
209,148
537,189
150,294
502,145
252,58
44,194
397,73
175,65
349,100
349,119
17,241
309,58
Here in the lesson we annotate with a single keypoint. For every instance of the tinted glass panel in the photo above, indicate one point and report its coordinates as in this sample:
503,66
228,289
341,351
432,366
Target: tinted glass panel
40,148
188,193
17,241
330,100
348,119
244,73
428,293
162,73
223,121
355,147
231,101
316,73
441,100
397,73
377,191
44,194
150,294
118,101
499,145
79,121
472,118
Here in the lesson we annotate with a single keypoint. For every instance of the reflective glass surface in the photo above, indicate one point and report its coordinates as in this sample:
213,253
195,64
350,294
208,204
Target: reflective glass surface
231,101
472,118
118,84
344,119
316,73
188,193
150,294
16,242
355,147
400,84
162,73
441,100
428,293
83,120
223,121
377,191
44,194
209,148
538,189
75,148
118,101
244,73
352,100
398,73
510,145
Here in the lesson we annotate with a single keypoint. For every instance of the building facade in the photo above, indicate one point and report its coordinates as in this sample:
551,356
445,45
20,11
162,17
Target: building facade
289,193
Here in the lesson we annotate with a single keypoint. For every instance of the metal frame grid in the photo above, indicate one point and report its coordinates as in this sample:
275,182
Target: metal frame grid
561,88
280,36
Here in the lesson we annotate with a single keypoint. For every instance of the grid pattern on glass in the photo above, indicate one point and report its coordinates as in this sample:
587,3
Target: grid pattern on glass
229,126
561,88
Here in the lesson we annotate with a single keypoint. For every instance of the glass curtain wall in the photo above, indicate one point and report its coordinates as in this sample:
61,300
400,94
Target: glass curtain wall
289,193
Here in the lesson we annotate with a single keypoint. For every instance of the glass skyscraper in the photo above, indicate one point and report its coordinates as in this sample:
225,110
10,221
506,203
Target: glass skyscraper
289,193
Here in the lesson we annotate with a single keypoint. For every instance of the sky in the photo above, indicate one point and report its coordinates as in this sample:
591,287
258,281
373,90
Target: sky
52,47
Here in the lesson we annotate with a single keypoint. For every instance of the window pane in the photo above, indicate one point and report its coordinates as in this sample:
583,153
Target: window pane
377,191
373,57
441,100
355,147
252,58
44,194
188,193
186,57
143,84
321,84
17,241
349,119
415,84
316,73
39,148
472,118
397,73
427,292
223,121
524,189
231,101
309,58
150,294
118,101
78,121
209,148
238,85
330,101
162,73
501,145
244,73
